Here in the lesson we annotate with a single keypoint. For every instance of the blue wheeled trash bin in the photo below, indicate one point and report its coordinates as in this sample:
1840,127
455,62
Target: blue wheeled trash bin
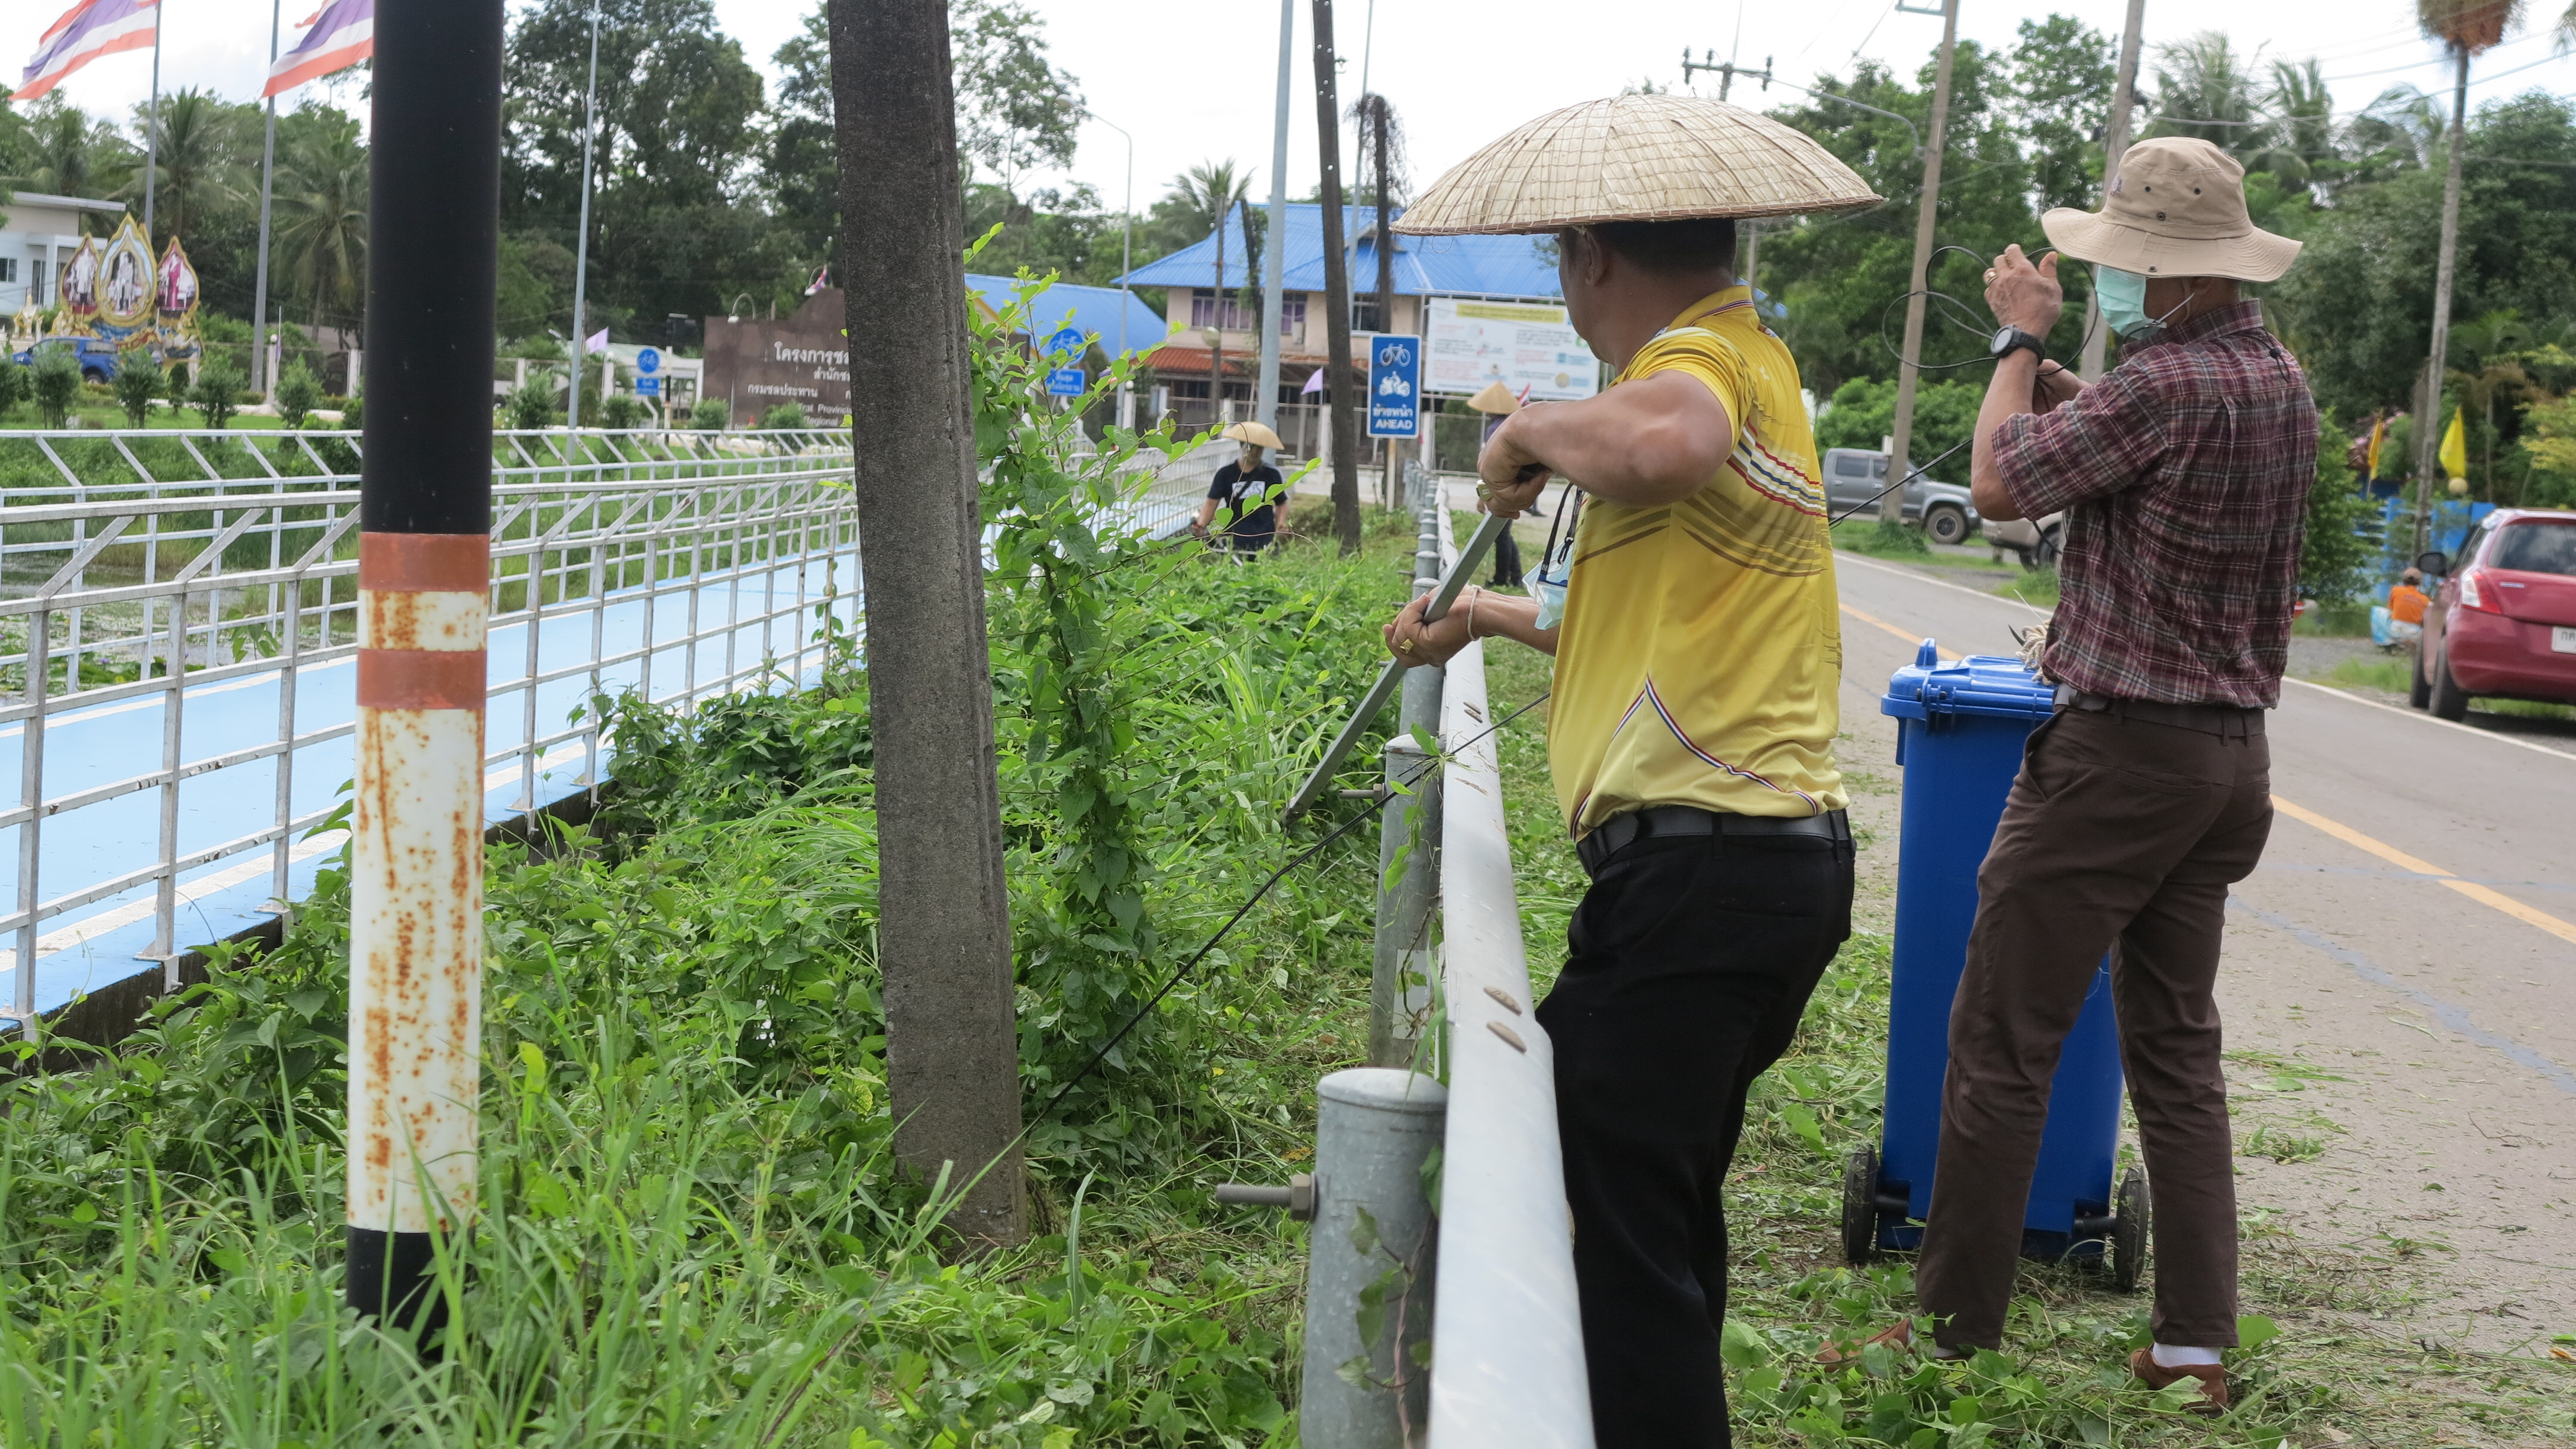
1960,731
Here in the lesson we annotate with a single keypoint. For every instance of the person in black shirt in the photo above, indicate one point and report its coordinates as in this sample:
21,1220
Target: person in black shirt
1245,488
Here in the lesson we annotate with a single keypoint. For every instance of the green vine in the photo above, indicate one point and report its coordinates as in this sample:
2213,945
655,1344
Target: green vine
1053,502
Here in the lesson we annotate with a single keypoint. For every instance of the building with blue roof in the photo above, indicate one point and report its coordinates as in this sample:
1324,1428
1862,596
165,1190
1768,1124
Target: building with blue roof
1485,268
1117,317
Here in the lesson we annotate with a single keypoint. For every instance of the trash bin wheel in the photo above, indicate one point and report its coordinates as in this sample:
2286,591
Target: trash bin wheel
2131,1216
1860,1207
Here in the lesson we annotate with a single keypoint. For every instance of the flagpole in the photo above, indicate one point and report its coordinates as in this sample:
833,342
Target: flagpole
151,145
259,370
581,248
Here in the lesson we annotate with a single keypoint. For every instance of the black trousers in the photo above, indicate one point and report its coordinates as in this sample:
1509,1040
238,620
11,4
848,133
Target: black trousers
1507,562
1691,960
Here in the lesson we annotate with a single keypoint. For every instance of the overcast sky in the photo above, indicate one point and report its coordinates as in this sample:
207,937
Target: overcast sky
1194,79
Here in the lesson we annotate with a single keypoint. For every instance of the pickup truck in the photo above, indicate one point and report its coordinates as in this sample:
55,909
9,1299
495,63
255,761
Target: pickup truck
97,356
1854,475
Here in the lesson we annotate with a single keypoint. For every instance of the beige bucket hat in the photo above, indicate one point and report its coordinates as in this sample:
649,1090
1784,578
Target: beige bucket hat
1496,398
1253,433
1636,158
2176,209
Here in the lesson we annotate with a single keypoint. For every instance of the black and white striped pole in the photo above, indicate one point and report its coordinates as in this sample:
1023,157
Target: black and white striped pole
424,569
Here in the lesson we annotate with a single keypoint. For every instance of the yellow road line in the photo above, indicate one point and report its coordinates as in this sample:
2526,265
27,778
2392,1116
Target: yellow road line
1877,622
2481,894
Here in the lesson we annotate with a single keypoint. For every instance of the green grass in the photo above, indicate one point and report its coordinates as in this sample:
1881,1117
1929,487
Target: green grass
2327,1347
2526,708
2392,675
690,1231
1881,539
2037,588
2334,621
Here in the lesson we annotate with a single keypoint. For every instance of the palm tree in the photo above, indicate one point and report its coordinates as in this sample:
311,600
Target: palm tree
68,154
2491,367
194,162
2464,27
1208,193
2205,89
321,224
2303,111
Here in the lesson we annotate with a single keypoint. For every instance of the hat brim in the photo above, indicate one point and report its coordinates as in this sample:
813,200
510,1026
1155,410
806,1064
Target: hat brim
2255,256
1253,433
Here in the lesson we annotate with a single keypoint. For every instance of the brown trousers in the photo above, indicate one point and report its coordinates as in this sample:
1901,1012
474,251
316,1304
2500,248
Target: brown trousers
2118,832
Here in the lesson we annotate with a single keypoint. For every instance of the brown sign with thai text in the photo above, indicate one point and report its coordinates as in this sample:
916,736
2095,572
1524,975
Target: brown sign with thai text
755,364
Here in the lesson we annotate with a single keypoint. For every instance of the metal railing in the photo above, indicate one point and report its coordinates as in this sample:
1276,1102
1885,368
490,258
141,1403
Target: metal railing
160,571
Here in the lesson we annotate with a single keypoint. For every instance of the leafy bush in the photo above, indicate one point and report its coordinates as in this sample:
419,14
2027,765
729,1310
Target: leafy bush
1863,412
785,415
621,410
139,383
709,415
216,394
15,384
531,405
55,382
298,393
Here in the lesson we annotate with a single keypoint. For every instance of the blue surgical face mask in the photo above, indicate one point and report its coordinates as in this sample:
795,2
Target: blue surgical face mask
2123,299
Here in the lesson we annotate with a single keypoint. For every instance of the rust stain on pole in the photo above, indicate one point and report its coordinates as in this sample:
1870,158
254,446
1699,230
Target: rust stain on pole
416,884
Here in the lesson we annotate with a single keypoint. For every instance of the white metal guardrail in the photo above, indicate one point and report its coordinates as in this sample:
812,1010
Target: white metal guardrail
178,617
178,630
1507,1369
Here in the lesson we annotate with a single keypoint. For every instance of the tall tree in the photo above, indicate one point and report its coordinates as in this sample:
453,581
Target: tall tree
1015,108
197,160
321,217
2060,96
798,163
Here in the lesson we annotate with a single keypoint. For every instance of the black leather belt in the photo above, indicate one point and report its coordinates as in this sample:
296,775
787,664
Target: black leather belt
1660,821
2227,721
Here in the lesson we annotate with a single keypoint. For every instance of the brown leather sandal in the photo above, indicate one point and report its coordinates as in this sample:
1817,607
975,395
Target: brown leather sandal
2213,1380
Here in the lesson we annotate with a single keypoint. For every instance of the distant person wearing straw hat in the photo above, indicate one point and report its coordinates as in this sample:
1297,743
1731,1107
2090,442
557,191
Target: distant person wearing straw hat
1692,613
1247,487
1498,402
2186,472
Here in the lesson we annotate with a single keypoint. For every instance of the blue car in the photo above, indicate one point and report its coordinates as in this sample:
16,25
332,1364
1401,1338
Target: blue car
97,356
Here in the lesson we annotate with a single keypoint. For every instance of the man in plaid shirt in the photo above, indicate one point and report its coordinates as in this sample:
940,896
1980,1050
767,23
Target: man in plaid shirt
2185,473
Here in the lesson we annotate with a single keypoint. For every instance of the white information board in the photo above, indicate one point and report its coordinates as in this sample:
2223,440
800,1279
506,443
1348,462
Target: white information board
1519,344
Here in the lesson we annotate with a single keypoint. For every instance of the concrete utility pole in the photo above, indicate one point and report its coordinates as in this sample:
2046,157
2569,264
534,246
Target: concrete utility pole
2115,144
944,934
2428,416
1265,404
1380,116
424,572
1216,329
1891,508
1337,292
581,243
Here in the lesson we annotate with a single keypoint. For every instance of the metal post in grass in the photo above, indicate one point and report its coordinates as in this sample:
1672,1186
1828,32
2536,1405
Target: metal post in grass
1374,1229
1400,970
943,936
424,564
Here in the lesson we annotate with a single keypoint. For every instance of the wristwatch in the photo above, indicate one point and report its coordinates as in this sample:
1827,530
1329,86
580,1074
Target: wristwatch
2011,339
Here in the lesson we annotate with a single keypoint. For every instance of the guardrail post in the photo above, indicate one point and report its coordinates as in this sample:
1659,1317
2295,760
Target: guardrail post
1401,974
424,576
1370,1255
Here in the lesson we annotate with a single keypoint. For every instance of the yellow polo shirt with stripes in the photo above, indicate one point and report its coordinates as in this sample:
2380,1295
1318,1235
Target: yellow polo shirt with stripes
1699,655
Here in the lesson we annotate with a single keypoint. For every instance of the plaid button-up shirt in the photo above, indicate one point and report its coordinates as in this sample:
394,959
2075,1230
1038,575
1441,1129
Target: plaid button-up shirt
2185,474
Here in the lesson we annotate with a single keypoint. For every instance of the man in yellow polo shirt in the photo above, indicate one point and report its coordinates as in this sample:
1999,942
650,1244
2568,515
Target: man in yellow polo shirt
1690,737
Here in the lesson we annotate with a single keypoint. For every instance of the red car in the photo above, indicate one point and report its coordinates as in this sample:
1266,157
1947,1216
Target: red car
2504,621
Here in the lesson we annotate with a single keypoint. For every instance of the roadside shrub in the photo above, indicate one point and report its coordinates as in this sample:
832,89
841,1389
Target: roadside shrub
298,393
710,415
623,411
785,415
139,383
55,383
15,384
353,414
217,393
530,405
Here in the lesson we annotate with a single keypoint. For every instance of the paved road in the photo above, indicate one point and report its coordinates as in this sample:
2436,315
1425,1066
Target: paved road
2410,934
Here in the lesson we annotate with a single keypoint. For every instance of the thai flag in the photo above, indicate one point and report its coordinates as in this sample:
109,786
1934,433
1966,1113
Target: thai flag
339,35
85,32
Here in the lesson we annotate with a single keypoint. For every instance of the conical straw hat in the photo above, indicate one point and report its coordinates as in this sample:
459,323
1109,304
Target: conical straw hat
1496,398
1636,158
1253,433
